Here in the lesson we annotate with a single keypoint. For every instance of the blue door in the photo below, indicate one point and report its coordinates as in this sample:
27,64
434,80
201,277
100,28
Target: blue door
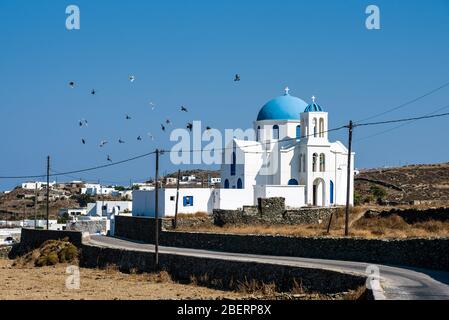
332,192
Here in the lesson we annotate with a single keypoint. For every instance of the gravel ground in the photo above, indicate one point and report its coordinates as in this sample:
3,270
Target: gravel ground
30,283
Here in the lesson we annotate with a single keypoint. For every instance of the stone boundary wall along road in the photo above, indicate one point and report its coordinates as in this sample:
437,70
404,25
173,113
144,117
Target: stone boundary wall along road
430,253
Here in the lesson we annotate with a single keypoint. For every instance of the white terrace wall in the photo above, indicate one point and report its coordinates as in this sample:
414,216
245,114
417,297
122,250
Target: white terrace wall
294,195
232,199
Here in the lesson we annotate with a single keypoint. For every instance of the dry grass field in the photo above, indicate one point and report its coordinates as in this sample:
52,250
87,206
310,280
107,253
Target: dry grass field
393,226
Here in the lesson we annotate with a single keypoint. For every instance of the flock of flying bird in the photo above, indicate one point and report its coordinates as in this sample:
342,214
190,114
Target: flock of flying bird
84,122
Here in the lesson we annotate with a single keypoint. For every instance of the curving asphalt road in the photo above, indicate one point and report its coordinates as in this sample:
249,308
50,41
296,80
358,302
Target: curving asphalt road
396,283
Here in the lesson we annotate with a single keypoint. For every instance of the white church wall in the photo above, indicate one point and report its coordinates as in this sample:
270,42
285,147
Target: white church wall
233,199
202,201
294,195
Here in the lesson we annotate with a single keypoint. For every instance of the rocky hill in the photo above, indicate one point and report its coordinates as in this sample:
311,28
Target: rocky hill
414,183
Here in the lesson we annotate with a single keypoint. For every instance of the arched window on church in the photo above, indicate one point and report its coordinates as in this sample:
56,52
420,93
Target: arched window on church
258,133
226,184
321,128
239,184
234,160
298,132
314,162
314,128
300,162
276,132
322,163
303,163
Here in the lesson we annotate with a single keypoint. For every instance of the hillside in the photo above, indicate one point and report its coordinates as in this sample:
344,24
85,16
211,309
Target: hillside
406,184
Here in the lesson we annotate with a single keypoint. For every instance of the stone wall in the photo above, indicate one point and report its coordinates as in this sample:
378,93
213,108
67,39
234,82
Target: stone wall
425,253
137,228
91,226
31,239
413,215
223,274
272,211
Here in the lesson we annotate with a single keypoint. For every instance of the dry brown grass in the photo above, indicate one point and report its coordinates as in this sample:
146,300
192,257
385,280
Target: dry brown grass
193,215
378,227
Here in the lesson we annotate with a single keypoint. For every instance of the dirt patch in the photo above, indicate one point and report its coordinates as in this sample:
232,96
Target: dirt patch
31,283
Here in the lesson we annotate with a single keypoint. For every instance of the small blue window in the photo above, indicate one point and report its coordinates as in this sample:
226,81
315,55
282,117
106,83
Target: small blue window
239,184
298,132
226,184
332,192
293,182
188,201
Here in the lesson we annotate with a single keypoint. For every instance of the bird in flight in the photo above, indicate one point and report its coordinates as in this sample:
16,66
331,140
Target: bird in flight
153,106
139,138
150,135
128,117
82,122
168,121
183,109
237,77
93,92
189,126
208,128
83,141
131,78
103,143
121,141
162,127
72,84
109,159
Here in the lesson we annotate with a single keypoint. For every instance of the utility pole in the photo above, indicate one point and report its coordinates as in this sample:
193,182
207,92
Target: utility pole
35,205
48,189
156,215
348,181
177,199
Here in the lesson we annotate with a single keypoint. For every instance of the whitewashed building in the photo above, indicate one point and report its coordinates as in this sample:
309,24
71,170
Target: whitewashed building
36,185
291,157
106,208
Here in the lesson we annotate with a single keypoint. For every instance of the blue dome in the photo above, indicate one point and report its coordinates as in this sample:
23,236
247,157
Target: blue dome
314,107
284,107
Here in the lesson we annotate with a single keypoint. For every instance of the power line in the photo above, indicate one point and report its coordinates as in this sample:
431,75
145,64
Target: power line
401,120
82,170
407,103
399,126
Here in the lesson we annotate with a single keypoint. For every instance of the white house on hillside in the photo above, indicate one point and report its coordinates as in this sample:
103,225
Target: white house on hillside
291,157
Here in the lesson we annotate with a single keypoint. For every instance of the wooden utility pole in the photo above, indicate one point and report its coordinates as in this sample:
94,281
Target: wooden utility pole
348,180
35,205
156,215
177,199
48,189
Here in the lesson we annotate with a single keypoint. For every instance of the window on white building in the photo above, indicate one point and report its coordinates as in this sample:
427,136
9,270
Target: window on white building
321,128
314,162
314,128
322,163
276,132
188,201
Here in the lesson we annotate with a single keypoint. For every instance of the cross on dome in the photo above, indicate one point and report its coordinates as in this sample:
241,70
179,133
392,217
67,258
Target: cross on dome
287,90
313,99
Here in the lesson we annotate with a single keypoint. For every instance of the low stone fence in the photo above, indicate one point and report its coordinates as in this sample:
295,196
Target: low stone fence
220,273
250,215
413,215
420,252
31,239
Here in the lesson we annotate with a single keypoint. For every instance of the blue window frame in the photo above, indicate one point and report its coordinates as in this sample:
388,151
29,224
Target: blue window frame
187,201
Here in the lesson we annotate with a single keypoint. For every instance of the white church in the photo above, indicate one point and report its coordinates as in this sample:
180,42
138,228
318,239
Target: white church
291,157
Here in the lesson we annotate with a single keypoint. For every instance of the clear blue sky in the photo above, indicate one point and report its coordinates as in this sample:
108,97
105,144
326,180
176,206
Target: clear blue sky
187,52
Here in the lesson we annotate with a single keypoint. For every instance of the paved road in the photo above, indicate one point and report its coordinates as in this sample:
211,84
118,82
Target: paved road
395,282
